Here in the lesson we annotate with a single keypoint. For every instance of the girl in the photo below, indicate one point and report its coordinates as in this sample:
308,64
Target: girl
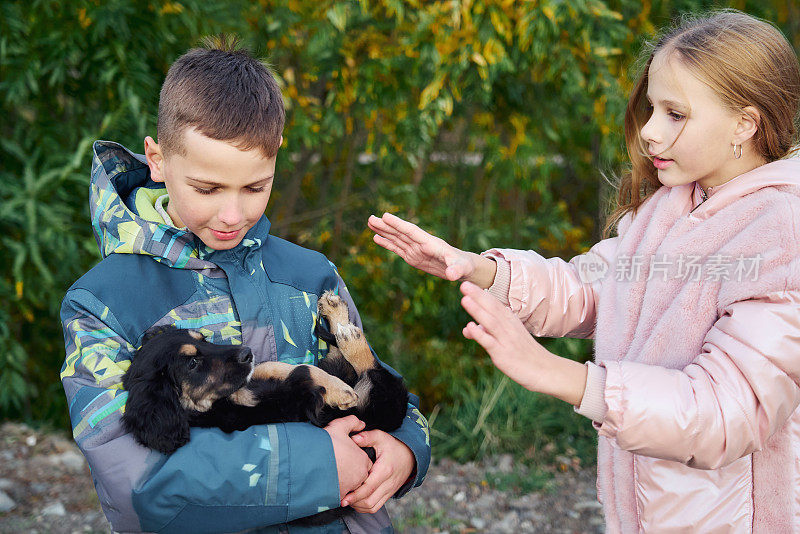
694,306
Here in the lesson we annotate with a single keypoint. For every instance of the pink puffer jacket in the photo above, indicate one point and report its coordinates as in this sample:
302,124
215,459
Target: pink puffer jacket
695,311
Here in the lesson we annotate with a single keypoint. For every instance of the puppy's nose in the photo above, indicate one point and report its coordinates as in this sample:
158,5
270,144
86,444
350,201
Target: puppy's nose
245,355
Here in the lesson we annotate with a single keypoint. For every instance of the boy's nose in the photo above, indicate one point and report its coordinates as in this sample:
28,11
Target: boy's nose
230,213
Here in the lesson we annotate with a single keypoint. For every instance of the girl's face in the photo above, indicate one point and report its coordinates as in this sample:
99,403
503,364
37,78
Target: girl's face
690,134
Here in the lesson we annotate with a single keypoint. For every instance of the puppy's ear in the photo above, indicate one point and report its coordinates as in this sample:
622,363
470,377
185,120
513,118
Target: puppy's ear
153,413
156,330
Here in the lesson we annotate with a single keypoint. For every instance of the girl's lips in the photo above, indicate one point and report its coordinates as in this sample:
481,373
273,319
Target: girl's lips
225,236
662,163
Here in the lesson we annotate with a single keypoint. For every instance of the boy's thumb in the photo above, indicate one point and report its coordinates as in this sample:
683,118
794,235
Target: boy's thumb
352,423
365,439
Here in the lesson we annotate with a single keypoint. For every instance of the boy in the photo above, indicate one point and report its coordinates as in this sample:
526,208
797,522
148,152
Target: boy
185,241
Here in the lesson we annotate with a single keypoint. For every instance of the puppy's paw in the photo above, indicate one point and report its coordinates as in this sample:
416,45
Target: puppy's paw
339,395
333,308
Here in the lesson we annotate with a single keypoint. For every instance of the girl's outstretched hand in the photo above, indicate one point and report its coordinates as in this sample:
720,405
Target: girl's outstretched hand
516,353
429,253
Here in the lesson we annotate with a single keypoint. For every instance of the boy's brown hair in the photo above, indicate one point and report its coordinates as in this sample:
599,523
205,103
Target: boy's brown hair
223,93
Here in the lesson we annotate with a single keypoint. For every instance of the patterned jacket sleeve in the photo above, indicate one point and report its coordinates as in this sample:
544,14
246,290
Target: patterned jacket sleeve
414,432
217,482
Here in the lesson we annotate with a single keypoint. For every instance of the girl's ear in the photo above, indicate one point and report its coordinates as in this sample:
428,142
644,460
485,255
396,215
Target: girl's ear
747,126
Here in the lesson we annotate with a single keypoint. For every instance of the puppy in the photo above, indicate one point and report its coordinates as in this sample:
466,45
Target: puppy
177,380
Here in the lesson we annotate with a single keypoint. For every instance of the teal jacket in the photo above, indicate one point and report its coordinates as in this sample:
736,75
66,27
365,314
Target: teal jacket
262,293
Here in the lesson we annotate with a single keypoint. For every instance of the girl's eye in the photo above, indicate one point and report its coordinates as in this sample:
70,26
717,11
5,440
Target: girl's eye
193,363
674,115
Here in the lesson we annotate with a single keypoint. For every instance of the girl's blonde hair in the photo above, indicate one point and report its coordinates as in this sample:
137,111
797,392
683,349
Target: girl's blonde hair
746,62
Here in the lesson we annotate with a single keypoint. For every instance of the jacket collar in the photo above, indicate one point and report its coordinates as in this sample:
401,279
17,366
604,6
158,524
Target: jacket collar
781,173
116,175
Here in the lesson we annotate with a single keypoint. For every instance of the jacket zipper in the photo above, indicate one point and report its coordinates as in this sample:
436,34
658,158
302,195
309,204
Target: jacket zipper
703,195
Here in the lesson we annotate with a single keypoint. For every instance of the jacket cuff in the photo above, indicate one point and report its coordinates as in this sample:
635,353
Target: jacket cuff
312,476
593,403
502,278
414,435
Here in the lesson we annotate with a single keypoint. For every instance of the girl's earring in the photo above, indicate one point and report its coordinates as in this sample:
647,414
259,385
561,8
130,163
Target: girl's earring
735,155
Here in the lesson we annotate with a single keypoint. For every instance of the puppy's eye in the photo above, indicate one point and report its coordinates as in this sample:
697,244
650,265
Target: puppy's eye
193,363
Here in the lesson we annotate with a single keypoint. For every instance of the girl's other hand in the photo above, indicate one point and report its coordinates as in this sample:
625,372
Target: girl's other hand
516,353
429,253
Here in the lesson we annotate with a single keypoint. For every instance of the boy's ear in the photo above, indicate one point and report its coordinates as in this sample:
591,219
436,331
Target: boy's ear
746,128
155,159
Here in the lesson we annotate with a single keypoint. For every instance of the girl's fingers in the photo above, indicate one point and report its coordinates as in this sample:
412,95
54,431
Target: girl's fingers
387,244
482,307
482,316
413,231
400,236
477,333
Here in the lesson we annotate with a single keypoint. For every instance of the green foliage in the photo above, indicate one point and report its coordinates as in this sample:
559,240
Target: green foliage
486,121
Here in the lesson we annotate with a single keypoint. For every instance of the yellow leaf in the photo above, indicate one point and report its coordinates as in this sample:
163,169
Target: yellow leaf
83,20
171,8
479,59
19,289
430,92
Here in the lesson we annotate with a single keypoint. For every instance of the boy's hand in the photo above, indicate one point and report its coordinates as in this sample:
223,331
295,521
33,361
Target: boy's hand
393,466
429,253
352,463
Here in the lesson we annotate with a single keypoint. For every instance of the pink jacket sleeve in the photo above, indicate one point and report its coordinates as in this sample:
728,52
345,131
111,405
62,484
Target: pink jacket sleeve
726,403
553,298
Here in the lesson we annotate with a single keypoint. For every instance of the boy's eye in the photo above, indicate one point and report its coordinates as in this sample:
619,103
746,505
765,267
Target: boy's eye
256,189
204,191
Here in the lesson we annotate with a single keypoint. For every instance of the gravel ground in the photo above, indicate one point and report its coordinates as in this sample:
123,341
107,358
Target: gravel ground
45,487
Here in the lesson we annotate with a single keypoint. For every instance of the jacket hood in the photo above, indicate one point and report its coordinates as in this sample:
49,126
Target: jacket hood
783,173
117,173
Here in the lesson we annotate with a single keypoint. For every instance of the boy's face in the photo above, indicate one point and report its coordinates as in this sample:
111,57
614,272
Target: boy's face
216,190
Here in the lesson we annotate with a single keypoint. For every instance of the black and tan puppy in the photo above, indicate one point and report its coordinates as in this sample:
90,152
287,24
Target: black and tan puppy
177,380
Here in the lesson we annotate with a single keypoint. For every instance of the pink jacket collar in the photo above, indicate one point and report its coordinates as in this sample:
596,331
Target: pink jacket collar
784,172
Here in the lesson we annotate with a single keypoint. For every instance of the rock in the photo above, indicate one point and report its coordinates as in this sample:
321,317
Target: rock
30,441
484,502
6,503
56,509
72,460
510,523
505,463
587,505
478,523
39,487
6,484
526,502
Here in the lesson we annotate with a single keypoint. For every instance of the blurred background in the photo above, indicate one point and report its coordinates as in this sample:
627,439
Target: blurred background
488,123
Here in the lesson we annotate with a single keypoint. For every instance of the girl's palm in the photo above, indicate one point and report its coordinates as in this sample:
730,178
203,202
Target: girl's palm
420,249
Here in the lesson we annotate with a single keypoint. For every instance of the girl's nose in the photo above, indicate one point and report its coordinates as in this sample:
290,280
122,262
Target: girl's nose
648,131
